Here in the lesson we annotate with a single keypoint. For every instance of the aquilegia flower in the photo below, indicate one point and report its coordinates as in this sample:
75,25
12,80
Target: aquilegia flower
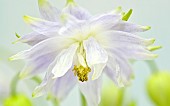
73,46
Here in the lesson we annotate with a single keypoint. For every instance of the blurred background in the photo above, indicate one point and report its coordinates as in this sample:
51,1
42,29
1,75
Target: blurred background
154,13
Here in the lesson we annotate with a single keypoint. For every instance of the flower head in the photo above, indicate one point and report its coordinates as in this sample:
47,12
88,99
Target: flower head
73,46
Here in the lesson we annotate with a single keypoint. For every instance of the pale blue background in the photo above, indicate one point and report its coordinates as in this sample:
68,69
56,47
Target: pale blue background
155,13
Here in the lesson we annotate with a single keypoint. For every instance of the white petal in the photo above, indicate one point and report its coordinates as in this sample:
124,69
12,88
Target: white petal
47,11
129,27
32,38
77,11
81,60
92,91
98,69
64,60
96,56
42,26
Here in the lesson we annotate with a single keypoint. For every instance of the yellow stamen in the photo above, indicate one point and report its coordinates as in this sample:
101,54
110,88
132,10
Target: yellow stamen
81,72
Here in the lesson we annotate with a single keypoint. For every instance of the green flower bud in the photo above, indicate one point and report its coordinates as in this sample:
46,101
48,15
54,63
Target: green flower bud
132,103
158,88
112,95
17,100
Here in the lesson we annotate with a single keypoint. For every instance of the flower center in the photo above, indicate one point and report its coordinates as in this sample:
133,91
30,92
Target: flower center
81,69
81,72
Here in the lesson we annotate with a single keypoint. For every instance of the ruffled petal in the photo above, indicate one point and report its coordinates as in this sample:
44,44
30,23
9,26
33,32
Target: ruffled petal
47,46
37,65
119,70
92,91
41,26
48,12
63,85
129,27
119,38
77,11
64,60
59,87
96,56
32,38
135,52
98,69
130,45
111,21
40,55
105,21
45,86
72,27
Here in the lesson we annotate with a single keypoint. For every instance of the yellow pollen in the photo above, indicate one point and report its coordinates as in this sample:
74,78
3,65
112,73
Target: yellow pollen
81,72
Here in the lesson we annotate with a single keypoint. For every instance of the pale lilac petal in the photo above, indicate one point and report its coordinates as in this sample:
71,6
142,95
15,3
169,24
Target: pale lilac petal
105,21
32,38
110,22
77,11
64,61
119,38
45,86
112,74
92,91
129,27
41,55
135,52
48,12
72,27
37,65
63,85
119,70
59,87
112,70
96,56
47,46
41,26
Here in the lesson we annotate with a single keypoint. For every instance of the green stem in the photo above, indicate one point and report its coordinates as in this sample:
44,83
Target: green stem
37,79
14,83
152,65
83,100
55,102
